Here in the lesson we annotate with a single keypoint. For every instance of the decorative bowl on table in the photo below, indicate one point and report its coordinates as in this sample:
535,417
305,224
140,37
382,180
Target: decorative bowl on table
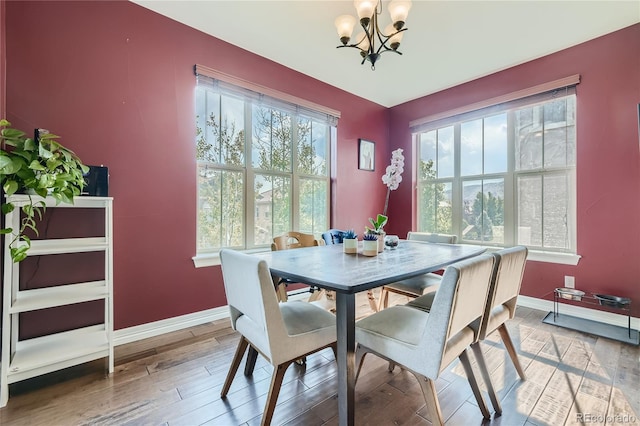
612,301
391,241
570,293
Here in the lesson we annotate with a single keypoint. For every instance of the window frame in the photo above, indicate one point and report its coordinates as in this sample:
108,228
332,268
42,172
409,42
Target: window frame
251,95
508,103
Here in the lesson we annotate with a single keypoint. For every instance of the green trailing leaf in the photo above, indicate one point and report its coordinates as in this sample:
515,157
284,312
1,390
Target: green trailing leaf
10,187
5,161
6,230
18,254
35,165
7,208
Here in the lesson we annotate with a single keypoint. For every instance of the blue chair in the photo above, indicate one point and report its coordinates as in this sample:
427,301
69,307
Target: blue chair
333,236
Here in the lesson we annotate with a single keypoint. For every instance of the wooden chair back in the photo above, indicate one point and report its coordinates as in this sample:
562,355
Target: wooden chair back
293,240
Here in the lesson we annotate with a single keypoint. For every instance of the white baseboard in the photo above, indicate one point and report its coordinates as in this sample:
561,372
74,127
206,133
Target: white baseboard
580,312
156,328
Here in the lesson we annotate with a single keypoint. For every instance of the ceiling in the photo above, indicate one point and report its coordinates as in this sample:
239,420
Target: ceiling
448,42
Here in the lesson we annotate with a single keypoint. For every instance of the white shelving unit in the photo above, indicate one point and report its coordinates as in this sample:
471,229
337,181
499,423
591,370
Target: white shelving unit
23,359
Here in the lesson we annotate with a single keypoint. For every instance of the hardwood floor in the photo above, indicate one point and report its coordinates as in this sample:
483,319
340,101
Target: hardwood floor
175,379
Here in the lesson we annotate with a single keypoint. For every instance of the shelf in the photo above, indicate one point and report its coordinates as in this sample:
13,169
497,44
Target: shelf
67,245
20,200
42,355
621,334
48,297
23,359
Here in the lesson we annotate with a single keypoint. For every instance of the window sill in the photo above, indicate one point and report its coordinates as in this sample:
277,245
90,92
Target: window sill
547,256
213,259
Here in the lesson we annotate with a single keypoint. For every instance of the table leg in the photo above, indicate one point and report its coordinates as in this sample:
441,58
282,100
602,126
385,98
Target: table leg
346,335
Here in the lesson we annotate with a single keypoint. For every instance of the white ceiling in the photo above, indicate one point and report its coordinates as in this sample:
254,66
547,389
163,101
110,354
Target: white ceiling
448,42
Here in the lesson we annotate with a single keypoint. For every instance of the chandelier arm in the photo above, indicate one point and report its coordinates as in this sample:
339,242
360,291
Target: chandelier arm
384,42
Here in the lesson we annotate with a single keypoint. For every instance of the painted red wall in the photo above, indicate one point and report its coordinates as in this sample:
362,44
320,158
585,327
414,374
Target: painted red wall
608,160
116,81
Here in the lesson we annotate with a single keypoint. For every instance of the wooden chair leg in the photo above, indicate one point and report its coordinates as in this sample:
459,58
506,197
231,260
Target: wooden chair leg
372,301
384,299
477,350
431,398
506,339
252,357
316,295
464,359
274,390
233,369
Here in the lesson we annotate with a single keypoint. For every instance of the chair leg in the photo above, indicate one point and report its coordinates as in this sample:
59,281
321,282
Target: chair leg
242,347
431,398
252,357
477,350
316,295
464,359
274,390
384,299
506,339
372,301
361,352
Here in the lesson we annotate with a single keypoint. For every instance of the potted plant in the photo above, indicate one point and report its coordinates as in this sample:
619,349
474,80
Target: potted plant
40,166
350,241
377,229
370,245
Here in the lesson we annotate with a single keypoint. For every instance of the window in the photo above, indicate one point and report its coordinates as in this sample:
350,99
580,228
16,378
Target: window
262,164
502,175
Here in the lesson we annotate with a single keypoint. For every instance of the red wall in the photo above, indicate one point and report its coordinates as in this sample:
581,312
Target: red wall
116,82
608,166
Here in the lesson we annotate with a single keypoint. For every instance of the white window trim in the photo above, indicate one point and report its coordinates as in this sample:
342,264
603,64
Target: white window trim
545,256
213,259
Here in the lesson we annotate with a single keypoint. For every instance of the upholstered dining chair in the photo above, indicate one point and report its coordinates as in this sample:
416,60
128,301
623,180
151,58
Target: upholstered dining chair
281,332
332,236
501,307
416,286
425,343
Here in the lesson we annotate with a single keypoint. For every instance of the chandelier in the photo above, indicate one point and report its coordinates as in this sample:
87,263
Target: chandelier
372,42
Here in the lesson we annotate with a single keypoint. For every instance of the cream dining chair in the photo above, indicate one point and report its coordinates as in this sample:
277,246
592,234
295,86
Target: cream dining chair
281,332
500,307
425,343
416,286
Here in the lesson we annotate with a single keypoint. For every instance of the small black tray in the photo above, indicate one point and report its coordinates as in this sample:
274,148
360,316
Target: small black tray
613,301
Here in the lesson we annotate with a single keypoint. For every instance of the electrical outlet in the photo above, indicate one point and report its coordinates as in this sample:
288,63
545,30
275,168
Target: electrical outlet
569,282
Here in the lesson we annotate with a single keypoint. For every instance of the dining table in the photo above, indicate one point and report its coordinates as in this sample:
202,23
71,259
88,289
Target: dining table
330,268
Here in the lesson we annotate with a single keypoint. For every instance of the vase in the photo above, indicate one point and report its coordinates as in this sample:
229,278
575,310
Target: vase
370,248
350,245
381,236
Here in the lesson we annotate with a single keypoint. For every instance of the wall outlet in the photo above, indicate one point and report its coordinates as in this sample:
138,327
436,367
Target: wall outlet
569,282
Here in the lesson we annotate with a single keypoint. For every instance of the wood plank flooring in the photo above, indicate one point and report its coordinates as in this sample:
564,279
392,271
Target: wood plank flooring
175,379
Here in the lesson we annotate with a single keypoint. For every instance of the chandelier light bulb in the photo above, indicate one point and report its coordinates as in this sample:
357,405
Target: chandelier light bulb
344,25
365,9
395,39
399,10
